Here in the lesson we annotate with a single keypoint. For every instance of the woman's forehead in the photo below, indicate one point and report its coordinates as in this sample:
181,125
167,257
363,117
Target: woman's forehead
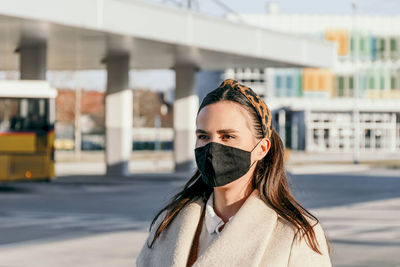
223,115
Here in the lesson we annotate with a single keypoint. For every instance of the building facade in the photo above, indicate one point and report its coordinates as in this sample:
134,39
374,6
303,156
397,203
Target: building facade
357,101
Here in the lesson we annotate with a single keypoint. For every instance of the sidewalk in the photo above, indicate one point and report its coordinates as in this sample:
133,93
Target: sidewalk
363,234
326,168
111,249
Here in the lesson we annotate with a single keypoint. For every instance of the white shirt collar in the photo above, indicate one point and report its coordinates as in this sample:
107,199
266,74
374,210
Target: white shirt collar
212,220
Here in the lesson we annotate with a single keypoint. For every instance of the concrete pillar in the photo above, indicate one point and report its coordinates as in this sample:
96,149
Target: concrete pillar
185,109
118,116
32,61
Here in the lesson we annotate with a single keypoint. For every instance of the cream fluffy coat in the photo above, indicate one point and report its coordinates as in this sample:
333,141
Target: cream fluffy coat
256,236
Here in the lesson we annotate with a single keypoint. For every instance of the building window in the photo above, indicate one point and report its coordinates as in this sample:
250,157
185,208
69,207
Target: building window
326,138
393,48
371,83
278,82
315,136
392,83
393,45
381,48
382,45
289,82
340,86
351,86
361,44
382,83
352,44
374,48
367,138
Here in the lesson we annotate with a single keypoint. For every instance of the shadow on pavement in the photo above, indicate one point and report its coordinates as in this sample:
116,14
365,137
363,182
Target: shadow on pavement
147,177
312,190
13,189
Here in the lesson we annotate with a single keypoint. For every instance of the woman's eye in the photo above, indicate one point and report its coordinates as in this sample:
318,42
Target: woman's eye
228,136
202,137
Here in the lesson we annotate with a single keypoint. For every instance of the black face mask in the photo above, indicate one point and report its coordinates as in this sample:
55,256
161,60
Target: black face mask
220,164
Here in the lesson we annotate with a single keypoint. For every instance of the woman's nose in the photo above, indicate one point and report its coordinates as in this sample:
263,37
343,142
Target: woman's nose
210,138
214,139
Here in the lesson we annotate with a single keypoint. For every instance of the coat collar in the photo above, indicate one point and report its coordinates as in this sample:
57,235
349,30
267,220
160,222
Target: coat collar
245,236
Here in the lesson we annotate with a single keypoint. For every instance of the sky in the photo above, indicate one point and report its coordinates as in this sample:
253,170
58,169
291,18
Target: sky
291,6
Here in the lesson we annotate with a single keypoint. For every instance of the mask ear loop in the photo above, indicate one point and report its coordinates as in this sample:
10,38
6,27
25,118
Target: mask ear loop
252,151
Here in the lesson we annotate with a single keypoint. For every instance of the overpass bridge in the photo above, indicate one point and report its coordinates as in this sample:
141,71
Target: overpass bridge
119,35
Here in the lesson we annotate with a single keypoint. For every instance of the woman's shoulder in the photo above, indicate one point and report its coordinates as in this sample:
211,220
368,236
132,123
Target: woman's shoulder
302,254
290,228
299,236
301,250
165,243
286,239
186,209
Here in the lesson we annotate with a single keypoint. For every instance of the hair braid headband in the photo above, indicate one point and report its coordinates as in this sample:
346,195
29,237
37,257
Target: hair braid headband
259,105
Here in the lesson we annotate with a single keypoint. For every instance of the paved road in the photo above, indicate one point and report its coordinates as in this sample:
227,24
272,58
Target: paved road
73,206
77,205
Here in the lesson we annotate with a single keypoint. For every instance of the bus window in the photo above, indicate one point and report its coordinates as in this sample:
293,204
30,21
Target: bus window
23,115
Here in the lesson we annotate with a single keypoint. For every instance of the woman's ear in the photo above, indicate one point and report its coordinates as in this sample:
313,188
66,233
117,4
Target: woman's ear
268,144
265,145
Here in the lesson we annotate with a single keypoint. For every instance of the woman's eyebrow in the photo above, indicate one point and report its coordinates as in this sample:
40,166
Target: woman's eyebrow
227,131
200,131
219,131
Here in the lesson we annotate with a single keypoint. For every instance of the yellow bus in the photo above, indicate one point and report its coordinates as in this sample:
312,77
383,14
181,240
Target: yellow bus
27,117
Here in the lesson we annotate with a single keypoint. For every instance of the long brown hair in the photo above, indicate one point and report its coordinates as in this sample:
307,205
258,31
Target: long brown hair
269,178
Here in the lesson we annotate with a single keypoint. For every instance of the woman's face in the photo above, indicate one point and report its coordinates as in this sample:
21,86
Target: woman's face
228,123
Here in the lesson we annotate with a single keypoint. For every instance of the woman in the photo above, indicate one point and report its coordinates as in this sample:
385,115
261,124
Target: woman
237,209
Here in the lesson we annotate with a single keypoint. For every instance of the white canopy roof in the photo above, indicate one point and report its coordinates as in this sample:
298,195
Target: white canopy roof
79,34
